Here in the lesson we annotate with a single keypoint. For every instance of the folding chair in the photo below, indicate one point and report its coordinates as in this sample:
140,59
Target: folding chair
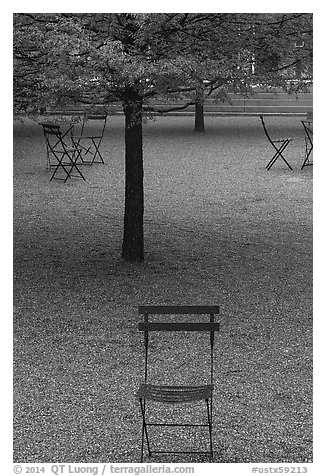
278,144
89,142
50,159
152,392
64,156
307,124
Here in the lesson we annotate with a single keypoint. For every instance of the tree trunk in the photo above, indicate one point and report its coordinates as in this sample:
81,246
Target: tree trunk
199,117
133,235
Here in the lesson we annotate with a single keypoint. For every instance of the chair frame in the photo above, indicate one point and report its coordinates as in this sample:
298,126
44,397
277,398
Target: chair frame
308,142
278,144
176,393
46,125
95,141
66,156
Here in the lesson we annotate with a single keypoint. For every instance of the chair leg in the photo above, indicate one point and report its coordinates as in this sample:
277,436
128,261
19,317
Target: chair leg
278,154
48,163
97,152
306,160
209,417
144,432
282,149
73,159
60,164
272,161
78,170
68,168
87,150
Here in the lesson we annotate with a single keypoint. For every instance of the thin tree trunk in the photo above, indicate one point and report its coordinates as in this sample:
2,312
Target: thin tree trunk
199,117
133,235
199,111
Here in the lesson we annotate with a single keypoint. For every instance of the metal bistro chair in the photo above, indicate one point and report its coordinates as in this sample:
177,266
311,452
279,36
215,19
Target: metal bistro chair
278,144
50,158
89,142
176,394
308,127
65,157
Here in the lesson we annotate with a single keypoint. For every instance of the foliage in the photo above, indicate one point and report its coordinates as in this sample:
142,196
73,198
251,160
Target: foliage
83,57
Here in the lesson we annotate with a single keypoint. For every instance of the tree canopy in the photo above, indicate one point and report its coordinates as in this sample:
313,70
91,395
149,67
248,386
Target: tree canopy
65,57
131,58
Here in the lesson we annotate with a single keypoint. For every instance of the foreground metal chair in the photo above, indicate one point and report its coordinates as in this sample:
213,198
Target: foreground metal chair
278,144
308,127
88,141
65,156
176,394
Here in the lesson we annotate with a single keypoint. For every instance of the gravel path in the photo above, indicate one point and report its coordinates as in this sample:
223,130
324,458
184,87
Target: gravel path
219,229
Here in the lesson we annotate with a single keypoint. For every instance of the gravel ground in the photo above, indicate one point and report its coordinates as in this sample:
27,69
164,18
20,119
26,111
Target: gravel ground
219,229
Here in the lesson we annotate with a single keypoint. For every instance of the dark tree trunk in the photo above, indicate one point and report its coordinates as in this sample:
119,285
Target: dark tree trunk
133,235
199,117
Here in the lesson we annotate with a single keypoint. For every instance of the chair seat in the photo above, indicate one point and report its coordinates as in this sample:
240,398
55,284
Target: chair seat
87,137
67,149
175,393
282,140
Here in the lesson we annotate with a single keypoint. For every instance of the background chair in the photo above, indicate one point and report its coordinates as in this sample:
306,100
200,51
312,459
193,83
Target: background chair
88,140
308,127
61,156
155,391
51,161
278,144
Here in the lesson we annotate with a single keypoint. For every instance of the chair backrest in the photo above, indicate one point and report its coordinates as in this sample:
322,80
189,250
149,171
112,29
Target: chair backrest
178,326
49,128
93,119
53,136
265,129
308,128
